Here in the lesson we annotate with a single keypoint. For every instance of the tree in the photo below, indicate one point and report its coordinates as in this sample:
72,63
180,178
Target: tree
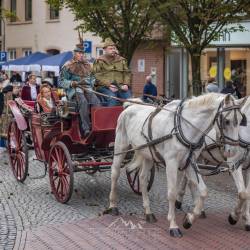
6,14
126,22
195,23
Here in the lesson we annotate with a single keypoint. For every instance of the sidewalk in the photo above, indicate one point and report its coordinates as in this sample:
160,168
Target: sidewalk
131,232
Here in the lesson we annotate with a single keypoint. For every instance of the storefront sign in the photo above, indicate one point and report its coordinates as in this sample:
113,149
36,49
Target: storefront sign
227,73
234,38
141,65
213,71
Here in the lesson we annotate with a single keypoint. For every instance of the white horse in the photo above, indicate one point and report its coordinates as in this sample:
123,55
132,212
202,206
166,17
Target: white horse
202,112
214,155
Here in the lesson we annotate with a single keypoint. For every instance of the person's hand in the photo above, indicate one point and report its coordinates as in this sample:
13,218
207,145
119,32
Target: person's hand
124,87
113,88
74,84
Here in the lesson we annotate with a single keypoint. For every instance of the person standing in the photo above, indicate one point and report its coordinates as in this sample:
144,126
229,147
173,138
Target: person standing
212,86
112,75
31,89
15,77
149,90
232,89
73,72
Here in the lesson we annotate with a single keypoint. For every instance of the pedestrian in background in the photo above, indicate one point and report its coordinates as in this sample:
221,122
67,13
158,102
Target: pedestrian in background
149,90
15,77
212,86
232,89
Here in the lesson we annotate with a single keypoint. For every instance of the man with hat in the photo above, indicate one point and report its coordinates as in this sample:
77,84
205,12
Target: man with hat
112,74
73,72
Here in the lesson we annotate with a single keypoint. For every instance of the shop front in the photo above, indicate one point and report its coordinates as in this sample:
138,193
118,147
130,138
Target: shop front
231,57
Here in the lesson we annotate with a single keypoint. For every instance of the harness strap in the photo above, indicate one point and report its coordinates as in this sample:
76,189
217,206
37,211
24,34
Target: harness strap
150,135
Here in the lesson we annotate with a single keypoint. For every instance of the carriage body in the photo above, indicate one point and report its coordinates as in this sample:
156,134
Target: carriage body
57,141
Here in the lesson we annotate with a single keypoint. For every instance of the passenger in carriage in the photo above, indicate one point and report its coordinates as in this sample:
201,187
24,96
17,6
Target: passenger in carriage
112,74
31,89
73,72
46,99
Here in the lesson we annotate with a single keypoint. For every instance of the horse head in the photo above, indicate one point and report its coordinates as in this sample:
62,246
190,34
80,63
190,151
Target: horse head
229,118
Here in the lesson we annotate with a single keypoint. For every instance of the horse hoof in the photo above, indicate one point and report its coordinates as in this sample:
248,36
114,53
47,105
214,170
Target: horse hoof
112,210
231,220
175,232
150,218
178,204
186,223
203,215
247,227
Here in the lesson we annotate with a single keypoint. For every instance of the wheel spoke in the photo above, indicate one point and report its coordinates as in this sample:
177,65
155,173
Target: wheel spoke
58,185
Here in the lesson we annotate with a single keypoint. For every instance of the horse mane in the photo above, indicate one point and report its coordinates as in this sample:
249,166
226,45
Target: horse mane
128,103
209,100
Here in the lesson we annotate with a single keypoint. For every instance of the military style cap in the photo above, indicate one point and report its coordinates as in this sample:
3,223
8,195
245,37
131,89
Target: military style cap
108,42
79,48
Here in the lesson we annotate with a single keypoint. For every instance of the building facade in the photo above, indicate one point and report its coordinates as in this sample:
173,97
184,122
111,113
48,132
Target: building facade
38,27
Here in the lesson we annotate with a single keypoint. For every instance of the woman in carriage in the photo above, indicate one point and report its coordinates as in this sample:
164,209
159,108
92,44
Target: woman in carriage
46,99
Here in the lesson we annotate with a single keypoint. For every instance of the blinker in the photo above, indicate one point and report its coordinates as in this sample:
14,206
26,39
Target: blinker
243,121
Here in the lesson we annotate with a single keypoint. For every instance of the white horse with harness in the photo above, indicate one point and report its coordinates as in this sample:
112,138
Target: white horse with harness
213,154
179,129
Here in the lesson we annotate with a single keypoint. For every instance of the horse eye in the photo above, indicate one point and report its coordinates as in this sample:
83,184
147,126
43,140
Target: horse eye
227,122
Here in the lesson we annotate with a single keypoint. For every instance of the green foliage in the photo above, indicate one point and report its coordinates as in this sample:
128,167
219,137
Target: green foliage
126,22
196,23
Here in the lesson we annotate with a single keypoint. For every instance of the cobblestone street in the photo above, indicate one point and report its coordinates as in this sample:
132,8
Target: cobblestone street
28,211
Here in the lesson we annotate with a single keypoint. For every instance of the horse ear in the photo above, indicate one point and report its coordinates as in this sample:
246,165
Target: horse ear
227,99
241,101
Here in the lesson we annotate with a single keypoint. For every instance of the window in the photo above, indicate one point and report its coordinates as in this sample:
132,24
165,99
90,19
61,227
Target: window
28,10
27,52
53,13
12,54
53,51
99,51
13,9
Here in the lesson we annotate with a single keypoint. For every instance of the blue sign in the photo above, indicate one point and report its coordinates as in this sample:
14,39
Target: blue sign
3,56
87,47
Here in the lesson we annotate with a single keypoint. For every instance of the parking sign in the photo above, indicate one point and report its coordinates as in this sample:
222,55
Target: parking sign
87,47
3,56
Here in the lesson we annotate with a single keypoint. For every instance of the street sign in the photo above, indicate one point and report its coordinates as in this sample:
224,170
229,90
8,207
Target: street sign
3,56
87,47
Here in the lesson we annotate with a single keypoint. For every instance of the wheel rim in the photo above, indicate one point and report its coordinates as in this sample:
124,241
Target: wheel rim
134,182
18,153
60,172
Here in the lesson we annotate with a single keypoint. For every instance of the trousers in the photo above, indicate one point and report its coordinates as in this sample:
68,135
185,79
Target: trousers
84,102
112,102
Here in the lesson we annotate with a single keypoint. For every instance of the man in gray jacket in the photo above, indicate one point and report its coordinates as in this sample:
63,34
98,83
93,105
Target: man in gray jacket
73,72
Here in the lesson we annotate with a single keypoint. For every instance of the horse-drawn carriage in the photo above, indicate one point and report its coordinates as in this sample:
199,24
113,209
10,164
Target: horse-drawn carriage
58,143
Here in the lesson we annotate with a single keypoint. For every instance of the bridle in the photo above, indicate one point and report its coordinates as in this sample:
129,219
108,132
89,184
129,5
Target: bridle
222,122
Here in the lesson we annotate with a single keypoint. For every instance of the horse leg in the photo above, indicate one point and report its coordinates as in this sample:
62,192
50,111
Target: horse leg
199,201
181,191
121,144
171,171
145,171
246,207
242,195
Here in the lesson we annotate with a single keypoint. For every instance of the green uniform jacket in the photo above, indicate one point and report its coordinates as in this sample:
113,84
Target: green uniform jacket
107,72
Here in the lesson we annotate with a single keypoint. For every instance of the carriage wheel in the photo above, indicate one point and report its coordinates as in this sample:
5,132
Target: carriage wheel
18,152
61,172
134,182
